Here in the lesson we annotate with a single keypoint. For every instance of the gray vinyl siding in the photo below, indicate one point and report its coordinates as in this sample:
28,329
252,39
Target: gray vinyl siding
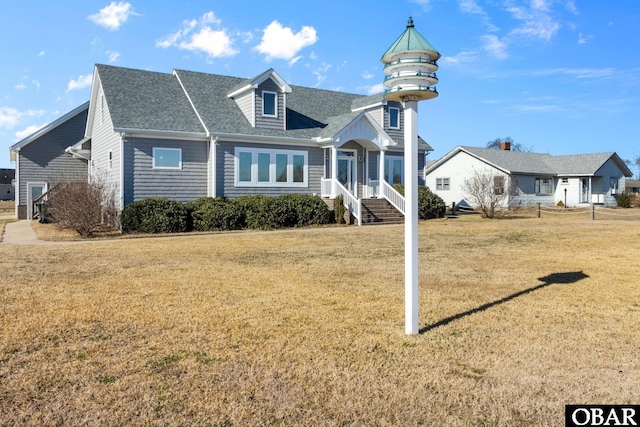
44,159
225,170
265,122
142,181
103,140
245,103
397,134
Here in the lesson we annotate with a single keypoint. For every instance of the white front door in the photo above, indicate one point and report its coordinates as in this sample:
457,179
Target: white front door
346,170
34,190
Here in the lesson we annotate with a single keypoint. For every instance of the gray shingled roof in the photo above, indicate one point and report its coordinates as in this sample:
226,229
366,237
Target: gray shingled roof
139,99
518,162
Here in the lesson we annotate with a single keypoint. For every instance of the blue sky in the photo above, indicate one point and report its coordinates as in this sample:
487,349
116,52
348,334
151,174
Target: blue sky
557,76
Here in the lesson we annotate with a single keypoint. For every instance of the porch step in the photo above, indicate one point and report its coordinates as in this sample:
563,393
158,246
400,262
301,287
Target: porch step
380,211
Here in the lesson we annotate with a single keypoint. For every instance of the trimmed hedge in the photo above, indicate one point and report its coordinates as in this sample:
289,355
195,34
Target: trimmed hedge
430,205
160,215
156,215
209,214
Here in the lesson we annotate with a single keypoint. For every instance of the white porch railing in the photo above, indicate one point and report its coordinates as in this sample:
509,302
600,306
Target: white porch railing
333,188
392,196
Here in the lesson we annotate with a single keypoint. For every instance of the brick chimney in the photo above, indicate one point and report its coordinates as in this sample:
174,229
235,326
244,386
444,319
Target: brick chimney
505,146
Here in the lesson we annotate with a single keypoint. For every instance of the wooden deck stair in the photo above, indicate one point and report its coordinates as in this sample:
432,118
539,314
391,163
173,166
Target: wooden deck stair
380,211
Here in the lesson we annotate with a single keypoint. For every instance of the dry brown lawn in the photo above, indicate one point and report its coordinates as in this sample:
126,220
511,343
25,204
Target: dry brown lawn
306,327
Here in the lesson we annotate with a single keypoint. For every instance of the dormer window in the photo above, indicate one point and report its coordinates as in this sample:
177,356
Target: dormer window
394,118
269,104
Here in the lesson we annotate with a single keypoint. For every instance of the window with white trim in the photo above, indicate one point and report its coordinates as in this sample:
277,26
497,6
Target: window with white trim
544,186
260,167
167,158
110,160
269,104
394,118
565,181
442,184
394,169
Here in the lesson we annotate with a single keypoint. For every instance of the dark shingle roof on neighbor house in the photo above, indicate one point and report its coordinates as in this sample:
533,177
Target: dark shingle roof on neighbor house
139,99
519,162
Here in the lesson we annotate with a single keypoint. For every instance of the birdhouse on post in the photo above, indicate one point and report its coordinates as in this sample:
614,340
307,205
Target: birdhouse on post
410,66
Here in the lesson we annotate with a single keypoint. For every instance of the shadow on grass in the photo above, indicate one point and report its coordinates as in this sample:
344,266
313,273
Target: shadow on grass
551,279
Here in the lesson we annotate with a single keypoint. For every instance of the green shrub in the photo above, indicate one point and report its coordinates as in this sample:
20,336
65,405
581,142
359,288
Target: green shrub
303,209
260,212
339,209
155,215
430,205
623,200
560,204
209,214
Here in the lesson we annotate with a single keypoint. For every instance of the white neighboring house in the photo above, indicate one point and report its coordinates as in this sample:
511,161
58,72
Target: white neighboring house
576,180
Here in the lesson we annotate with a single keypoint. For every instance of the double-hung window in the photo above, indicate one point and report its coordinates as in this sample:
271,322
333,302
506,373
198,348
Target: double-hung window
167,158
269,104
442,183
261,167
544,186
498,185
394,118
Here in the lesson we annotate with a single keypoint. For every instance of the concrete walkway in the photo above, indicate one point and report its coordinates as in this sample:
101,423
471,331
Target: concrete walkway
21,233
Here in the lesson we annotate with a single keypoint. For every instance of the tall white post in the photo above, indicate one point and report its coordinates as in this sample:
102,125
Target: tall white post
410,66
411,216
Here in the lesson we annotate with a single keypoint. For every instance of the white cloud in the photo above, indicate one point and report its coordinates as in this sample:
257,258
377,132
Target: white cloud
367,75
424,3
9,117
41,54
113,16
461,58
582,39
537,22
579,73
113,56
36,84
470,6
321,73
22,134
197,35
21,86
80,82
215,43
372,90
280,42
494,46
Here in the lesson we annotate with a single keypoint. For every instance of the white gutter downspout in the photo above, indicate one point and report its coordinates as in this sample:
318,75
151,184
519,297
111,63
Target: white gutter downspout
122,136
212,151
17,187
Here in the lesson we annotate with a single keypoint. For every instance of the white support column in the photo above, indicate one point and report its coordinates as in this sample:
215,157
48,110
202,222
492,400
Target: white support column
411,216
381,170
334,171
